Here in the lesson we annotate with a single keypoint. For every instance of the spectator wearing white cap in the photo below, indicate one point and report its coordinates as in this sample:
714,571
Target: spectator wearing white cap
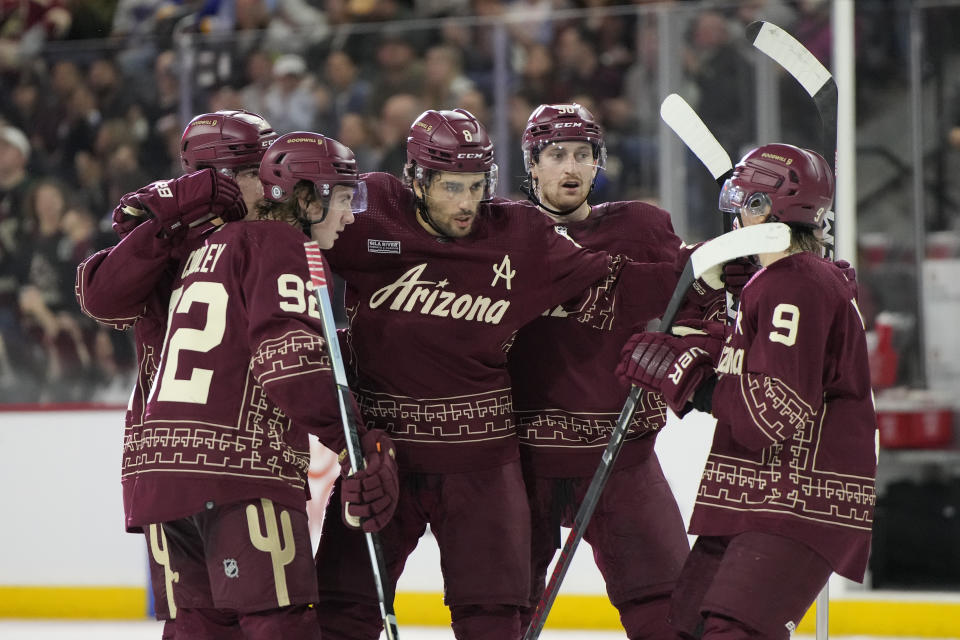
290,103
15,229
14,225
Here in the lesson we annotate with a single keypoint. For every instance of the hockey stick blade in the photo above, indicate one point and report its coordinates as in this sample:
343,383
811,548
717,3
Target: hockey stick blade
374,547
793,57
817,81
759,238
689,127
762,238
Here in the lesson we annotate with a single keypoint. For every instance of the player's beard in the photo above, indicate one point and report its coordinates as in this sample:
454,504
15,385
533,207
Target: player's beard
564,198
459,225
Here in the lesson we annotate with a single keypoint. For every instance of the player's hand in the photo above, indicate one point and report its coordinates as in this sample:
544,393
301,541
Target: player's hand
848,271
369,496
671,366
706,292
129,214
184,203
737,273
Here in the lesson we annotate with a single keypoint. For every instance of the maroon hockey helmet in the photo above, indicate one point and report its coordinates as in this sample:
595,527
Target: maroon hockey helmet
303,155
557,122
796,183
225,140
450,141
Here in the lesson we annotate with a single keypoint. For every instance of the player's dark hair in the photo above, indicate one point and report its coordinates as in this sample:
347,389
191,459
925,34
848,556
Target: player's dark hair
290,211
805,239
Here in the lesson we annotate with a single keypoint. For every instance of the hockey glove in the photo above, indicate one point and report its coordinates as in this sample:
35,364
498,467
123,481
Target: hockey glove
737,273
848,271
706,293
671,366
127,216
369,496
185,202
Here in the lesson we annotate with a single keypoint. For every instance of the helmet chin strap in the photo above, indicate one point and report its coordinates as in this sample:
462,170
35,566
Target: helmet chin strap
527,187
424,212
306,224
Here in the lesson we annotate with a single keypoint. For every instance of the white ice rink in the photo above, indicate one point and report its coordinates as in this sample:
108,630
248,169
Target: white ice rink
69,630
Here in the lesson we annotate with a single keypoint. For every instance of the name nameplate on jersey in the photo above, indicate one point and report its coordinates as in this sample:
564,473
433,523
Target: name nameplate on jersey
383,246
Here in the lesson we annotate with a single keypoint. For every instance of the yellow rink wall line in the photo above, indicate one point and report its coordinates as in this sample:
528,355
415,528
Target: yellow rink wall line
100,603
926,619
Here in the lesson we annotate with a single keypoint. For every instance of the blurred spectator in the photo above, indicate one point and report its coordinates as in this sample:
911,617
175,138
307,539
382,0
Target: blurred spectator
578,66
812,28
349,93
259,75
779,12
398,71
103,79
26,25
536,75
443,81
15,226
48,311
395,118
722,81
519,107
290,104
354,132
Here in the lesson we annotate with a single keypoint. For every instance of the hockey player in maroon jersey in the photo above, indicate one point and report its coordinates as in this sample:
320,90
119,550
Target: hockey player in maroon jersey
222,449
567,398
437,283
787,494
130,285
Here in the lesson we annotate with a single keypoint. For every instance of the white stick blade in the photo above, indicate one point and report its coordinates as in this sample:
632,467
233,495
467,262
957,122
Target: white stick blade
685,122
792,56
768,237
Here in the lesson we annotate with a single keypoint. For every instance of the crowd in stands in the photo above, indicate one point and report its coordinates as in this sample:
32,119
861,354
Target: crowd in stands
94,95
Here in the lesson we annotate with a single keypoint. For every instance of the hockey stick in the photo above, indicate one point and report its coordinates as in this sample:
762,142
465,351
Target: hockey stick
761,238
693,131
818,82
685,122
350,421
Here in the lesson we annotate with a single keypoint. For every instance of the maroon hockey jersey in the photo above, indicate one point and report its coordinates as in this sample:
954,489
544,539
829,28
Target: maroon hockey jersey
794,450
431,320
566,396
243,376
129,284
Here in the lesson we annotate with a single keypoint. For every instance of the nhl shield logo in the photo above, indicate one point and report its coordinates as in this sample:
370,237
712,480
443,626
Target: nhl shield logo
230,568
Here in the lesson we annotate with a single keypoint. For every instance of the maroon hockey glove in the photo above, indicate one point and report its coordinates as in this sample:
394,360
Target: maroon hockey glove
737,273
369,497
671,366
185,202
128,215
848,270
706,292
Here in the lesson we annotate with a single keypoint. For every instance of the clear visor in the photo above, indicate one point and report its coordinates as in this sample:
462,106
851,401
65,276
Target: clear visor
450,186
573,152
352,196
252,171
734,199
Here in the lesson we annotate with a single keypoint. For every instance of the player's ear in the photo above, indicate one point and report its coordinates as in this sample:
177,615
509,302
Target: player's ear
418,189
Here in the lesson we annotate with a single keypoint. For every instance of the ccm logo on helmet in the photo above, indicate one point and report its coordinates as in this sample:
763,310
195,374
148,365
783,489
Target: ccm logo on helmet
561,125
469,156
